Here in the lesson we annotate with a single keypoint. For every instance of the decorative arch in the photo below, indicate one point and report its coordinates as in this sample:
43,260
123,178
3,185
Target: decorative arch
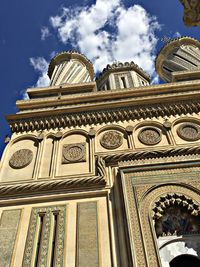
111,137
21,153
187,129
176,214
147,211
150,123
151,133
75,131
185,119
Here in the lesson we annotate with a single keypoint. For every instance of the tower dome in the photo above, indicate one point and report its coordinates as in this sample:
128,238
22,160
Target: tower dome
178,57
70,67
122,75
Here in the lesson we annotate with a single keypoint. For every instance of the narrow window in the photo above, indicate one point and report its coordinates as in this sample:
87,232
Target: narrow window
55,224
123,80
108,85
38,245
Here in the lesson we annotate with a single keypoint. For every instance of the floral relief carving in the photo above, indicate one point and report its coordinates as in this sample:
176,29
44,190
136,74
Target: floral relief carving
149,136
189,131
111,140
136,239
73,153
21,158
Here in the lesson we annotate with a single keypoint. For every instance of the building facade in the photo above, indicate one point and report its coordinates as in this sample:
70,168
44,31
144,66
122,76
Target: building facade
106,172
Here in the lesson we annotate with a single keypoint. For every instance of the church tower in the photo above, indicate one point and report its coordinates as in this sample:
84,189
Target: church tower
105,172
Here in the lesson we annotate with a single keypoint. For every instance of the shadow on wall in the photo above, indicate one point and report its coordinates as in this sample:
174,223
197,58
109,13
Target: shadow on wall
185,261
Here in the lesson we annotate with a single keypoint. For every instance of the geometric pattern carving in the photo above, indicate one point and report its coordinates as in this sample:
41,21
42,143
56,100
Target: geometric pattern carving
21,158
104,116
38,187
189,131
144,154
9,225
30,254
111,140
74,153
87,233
149,136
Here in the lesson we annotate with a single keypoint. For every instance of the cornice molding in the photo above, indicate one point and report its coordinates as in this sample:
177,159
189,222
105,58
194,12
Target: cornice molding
167,152
172,90
98,181
19,122
40,187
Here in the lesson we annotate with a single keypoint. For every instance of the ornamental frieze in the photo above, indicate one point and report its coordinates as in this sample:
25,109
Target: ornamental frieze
104,116
74,153
111,140
21,158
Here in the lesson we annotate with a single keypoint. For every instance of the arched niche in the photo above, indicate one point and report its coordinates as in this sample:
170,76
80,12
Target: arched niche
19,160
153,205
177,226
150,134
48,157
186,130
74,154
111,138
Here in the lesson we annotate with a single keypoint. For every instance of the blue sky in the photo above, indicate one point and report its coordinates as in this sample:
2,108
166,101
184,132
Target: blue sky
32,31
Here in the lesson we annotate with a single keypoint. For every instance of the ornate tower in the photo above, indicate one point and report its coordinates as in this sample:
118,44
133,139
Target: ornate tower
106,172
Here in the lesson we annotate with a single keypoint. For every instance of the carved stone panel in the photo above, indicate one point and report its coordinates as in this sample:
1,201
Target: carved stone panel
73,153
21,158
87,235
43,238
111,140
8,231
149,136
189,131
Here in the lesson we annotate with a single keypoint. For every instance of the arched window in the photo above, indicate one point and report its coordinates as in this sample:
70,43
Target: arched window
176,215
177,220
177,227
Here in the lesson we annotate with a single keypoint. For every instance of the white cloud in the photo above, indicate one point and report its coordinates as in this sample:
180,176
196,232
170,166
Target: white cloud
155,79
108,31
24,95
177,35
41,66
44,33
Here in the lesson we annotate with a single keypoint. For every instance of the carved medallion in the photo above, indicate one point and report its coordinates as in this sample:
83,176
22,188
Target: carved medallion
74,153
189,131
149,136
111,140
21,158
